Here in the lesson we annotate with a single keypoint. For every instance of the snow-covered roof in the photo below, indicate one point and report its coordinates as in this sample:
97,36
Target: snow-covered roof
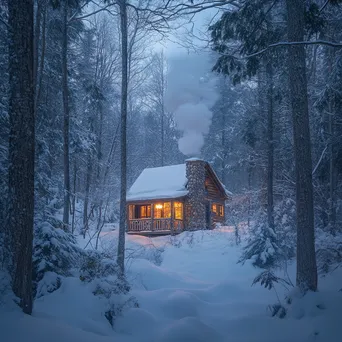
159,182
164,182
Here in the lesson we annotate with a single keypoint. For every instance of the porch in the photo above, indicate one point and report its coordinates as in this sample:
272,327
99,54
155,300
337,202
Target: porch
156,218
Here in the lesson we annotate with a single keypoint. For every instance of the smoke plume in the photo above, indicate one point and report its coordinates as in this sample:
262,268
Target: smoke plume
190,96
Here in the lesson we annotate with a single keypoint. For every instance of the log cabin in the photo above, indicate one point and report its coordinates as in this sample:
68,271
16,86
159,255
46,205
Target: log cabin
170,199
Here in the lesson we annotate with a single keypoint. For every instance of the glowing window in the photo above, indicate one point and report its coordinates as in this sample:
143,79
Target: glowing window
218,209
178,210
139,211
162,210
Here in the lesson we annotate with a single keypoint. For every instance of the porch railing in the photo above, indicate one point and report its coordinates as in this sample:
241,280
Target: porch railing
162,224
139,225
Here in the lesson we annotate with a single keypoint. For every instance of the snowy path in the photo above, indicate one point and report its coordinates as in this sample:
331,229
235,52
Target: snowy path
197,294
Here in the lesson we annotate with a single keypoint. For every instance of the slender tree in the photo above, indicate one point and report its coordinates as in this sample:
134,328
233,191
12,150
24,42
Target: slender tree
270,144
21,147
66,114
123,123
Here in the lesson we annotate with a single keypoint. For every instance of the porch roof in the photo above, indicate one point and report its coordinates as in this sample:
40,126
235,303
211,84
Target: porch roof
159,183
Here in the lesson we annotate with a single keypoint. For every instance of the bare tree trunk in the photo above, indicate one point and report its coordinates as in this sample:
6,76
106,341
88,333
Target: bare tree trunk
36,39
21,147
332,170
332,164
124,91
86,199
39,68
249,196
74,198
162,147
306,256
270,145
162,109
223,146
65,90
99,145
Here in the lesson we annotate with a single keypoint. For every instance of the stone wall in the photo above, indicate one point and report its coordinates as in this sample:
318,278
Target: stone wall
195,206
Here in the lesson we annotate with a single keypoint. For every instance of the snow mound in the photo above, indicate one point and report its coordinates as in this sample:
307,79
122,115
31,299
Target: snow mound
181,304
188,329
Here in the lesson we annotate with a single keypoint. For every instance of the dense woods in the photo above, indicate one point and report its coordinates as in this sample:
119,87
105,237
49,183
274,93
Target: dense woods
83,111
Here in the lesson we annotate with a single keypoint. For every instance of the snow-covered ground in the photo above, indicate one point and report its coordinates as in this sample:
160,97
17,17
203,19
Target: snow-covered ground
189,288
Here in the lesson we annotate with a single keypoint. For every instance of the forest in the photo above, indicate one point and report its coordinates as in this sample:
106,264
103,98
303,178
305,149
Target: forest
92,92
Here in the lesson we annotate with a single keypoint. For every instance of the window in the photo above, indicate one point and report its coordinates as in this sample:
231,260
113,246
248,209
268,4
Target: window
145,211
139,211
214,208
162,210
178,210
218,209
221,210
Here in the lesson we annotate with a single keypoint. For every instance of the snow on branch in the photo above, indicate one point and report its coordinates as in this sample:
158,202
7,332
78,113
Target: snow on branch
314,42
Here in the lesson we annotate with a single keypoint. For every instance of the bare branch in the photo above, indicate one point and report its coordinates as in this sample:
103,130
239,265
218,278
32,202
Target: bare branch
314,42
319,161
105,8
324,5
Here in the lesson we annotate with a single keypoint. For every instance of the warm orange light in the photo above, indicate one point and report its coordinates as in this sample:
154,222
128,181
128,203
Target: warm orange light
159,206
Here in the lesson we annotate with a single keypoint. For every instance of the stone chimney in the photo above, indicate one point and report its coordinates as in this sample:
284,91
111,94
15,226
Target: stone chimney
195,205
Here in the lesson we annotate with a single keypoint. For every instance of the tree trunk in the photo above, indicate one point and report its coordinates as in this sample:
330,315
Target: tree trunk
99,145
21,147
39,68
86,199
162,137
36,40
306,257
270,145
332,164
65,91
124,91
162,82
74,197
223,147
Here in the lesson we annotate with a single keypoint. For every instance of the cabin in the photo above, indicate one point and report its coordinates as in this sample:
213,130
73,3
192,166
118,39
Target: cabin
170,199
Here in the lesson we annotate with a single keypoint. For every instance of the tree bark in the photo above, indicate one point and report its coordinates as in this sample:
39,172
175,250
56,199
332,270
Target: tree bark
332,164
36,40
123,122
39,68
74,197
65,91
86,198
162,81
223,147
306,256
99,144
21,147
270,145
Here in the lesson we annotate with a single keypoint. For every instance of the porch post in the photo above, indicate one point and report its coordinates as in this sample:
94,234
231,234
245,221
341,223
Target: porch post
152,215
172,218
128,226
